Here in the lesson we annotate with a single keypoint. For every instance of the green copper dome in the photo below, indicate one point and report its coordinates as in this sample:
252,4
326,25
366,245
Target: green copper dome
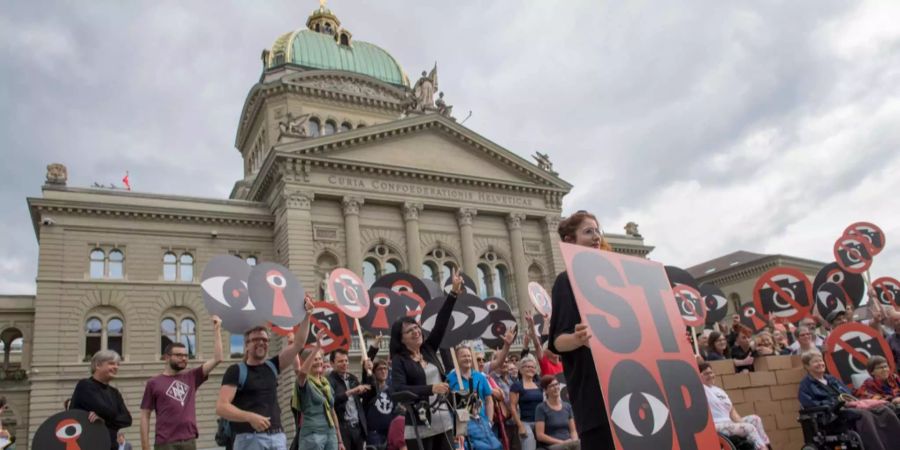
325,45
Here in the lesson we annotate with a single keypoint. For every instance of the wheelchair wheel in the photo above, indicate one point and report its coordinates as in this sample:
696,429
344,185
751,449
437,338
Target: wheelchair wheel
855,440
809,447
725,444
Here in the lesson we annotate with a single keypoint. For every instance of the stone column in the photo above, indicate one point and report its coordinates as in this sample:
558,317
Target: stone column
551,226
520,266
467,239
413,245
351,232
294,234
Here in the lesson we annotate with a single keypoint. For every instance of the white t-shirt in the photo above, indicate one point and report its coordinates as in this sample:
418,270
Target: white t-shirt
719,403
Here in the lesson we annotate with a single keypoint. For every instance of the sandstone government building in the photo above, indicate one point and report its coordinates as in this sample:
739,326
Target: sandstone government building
345,164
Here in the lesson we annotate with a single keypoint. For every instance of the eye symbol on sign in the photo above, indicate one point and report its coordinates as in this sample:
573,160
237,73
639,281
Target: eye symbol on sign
227,291
68,431
278,283
491,306
650,413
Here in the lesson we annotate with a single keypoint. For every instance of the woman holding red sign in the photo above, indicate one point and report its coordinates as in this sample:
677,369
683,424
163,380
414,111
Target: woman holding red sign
569,338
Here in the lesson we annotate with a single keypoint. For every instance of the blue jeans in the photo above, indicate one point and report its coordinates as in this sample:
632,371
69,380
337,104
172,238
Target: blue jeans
318,441
260,441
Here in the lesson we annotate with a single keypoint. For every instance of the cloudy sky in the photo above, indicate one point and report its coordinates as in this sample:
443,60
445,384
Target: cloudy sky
767,126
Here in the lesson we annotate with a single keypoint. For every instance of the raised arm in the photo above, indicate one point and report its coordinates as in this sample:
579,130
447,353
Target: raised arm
217,358
303,373
499,357
443,316
287,356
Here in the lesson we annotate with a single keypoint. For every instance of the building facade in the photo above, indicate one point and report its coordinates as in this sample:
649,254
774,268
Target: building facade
346,164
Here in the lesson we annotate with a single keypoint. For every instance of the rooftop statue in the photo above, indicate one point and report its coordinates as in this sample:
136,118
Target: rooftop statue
57,174
424,90
631,229
543,161
442,107
292,127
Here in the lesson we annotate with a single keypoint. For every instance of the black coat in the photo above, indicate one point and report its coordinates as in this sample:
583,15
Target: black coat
408,375
340,398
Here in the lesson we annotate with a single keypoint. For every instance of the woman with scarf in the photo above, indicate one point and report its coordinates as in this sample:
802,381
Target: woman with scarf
416,368
884,385
316,402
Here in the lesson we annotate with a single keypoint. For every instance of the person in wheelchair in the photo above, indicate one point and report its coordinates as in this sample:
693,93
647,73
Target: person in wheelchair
728,421
877,426
883,385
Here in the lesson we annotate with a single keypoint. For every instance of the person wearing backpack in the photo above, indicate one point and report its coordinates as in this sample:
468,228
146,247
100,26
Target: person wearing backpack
248,398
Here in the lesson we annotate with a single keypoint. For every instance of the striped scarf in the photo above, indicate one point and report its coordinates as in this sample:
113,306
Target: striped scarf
324,388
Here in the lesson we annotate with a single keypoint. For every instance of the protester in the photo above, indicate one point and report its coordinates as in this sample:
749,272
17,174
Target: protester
547,360
781,340
554,420
473,382
172,396
894,338
878,426
377,403
501,366
703,343
883,384
764,344
726,417
804,342
347,402
395,439
320,429
743,353
99,399
121,443
524,396
416,368
810,324
717,347
5,436
250,402
569,338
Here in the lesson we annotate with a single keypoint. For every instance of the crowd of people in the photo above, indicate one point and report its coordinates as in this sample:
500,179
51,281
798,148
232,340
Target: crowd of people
423,396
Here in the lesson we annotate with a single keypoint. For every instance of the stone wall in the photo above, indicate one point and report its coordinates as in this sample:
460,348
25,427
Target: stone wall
770,392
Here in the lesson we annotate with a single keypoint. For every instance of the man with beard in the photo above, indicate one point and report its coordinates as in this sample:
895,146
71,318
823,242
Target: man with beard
172,395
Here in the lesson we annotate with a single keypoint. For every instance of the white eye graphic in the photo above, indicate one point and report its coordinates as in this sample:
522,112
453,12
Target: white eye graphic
459,319
836,277
382,300
479,313
276,280
215,287
68,430
621,414
491,306
716,302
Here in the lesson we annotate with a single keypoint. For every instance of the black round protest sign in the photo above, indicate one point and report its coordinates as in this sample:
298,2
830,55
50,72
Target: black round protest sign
887,290
71,430
386,306
226,294
873,236
678,276
468,284
751,318
500,320
852,254
716,303
278,294
328,318
402,282
434,289
690,305
849,347
349,293
468,320
540,299
834,288
784,292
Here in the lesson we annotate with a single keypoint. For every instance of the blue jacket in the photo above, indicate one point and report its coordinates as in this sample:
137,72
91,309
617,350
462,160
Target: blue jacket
813,393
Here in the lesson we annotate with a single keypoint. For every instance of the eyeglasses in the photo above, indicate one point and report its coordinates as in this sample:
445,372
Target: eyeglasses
528,367
553,386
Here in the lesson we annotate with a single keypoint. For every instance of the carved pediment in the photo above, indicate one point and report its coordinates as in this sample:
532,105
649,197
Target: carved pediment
348,85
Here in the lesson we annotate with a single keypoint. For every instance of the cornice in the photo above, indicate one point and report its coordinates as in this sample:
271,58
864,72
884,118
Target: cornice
156,213
758,267
288,84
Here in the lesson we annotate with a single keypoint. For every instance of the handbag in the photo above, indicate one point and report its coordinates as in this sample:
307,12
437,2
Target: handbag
480,436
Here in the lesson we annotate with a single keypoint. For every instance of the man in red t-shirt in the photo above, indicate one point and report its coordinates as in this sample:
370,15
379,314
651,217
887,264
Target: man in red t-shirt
173,393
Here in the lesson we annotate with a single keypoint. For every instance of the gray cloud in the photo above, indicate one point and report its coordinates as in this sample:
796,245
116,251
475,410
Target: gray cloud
761,126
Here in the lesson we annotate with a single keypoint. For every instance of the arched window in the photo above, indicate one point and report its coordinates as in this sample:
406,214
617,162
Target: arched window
346,126
187,267
178,325
536,274
313,127
483,280
370,271
98,263
345,39
170,266
429,270
442,264
116,264
496,275
104,329
382,260
330,128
